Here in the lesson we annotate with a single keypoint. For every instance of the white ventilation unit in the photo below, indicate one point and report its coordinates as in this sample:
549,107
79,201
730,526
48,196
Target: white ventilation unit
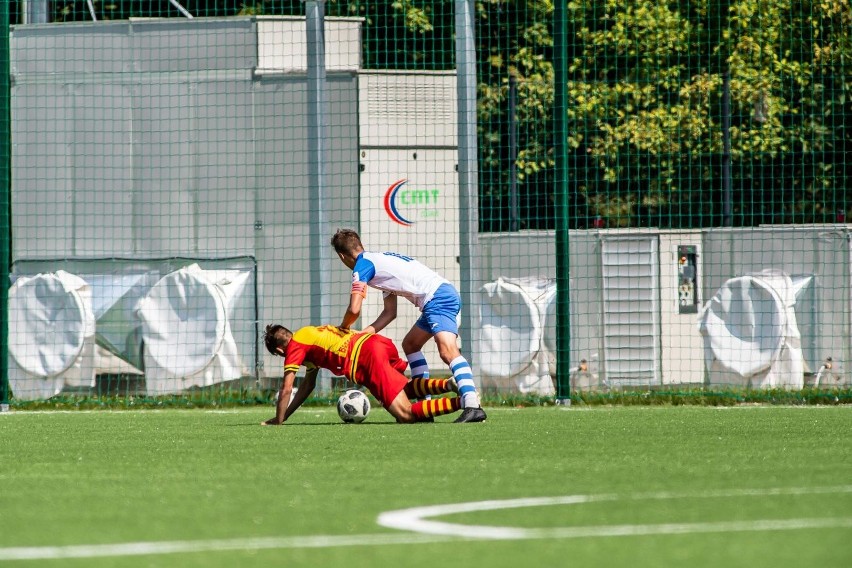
631,311
401,109
186,332
51,335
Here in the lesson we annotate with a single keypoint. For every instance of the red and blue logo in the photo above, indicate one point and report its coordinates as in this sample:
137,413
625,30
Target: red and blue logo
391,206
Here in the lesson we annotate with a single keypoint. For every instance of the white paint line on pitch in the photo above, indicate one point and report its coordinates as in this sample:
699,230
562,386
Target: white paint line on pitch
426,531
172,547
415,519
125,411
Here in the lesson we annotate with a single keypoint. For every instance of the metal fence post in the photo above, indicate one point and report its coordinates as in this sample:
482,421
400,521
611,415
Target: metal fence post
5,200
320,254
467,165
560,137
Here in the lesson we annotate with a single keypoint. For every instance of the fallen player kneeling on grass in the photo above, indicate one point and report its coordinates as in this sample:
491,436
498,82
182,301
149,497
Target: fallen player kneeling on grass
366,359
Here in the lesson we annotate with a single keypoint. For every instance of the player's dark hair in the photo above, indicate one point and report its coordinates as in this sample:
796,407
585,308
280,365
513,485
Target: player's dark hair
346,241
275,336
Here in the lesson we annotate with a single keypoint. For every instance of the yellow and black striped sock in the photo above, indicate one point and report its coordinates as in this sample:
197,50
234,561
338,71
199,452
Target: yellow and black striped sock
419,388
435,407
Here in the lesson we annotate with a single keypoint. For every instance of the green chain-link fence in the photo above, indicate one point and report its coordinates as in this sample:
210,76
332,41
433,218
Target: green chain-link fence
655,201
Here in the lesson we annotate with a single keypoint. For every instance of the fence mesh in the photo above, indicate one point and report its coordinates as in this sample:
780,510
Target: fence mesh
177,169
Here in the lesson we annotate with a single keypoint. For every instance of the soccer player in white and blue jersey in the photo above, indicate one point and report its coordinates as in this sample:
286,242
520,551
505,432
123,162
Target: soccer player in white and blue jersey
399,275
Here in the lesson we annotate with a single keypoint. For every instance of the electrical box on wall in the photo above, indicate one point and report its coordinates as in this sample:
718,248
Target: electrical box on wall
687,279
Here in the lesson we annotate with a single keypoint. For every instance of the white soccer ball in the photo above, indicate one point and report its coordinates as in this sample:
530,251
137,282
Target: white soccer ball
353,406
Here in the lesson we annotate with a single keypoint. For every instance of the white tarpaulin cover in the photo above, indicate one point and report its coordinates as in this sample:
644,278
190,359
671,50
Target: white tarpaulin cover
185,330
547,307
511,353
750,333
114,298
51,335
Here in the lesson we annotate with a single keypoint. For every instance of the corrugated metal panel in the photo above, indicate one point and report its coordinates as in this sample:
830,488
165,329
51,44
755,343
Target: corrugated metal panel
282,45
165,187
45,48
224,158
170,162
631,314
42,189
102,178
172,44
143,45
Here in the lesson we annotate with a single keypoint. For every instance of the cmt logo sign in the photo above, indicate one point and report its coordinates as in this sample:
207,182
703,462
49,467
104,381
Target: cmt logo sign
403,204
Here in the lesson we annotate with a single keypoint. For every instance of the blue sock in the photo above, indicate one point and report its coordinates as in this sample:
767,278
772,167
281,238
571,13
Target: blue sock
464,378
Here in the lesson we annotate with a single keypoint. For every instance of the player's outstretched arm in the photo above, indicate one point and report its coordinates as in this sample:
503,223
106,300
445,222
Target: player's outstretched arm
353,312
285,407
307,387
388,315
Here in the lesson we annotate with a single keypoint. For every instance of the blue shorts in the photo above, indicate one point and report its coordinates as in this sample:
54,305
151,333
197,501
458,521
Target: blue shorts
441,312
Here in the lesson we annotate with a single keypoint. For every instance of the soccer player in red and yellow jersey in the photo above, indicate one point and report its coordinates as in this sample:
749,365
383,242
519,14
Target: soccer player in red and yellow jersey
367,359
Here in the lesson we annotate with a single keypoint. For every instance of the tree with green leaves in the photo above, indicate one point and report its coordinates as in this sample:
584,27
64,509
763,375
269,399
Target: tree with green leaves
647,114
678,111
515,52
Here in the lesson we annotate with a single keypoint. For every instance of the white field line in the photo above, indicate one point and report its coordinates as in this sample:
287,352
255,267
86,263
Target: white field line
433,531
126,411
416,519
690,528
463,531
172,547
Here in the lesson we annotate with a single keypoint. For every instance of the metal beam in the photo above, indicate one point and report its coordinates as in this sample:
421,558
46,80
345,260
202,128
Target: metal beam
5,200
563,213
320,230
467,168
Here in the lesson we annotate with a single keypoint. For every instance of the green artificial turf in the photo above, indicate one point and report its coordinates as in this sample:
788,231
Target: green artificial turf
98,478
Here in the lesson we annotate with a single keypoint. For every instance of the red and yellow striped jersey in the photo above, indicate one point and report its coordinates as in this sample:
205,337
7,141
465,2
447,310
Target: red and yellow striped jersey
325,346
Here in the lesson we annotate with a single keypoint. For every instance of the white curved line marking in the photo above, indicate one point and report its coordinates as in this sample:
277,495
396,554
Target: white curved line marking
413,519
416,519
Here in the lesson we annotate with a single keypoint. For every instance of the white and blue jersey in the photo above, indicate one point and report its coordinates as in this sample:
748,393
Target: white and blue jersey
397,274
403,276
